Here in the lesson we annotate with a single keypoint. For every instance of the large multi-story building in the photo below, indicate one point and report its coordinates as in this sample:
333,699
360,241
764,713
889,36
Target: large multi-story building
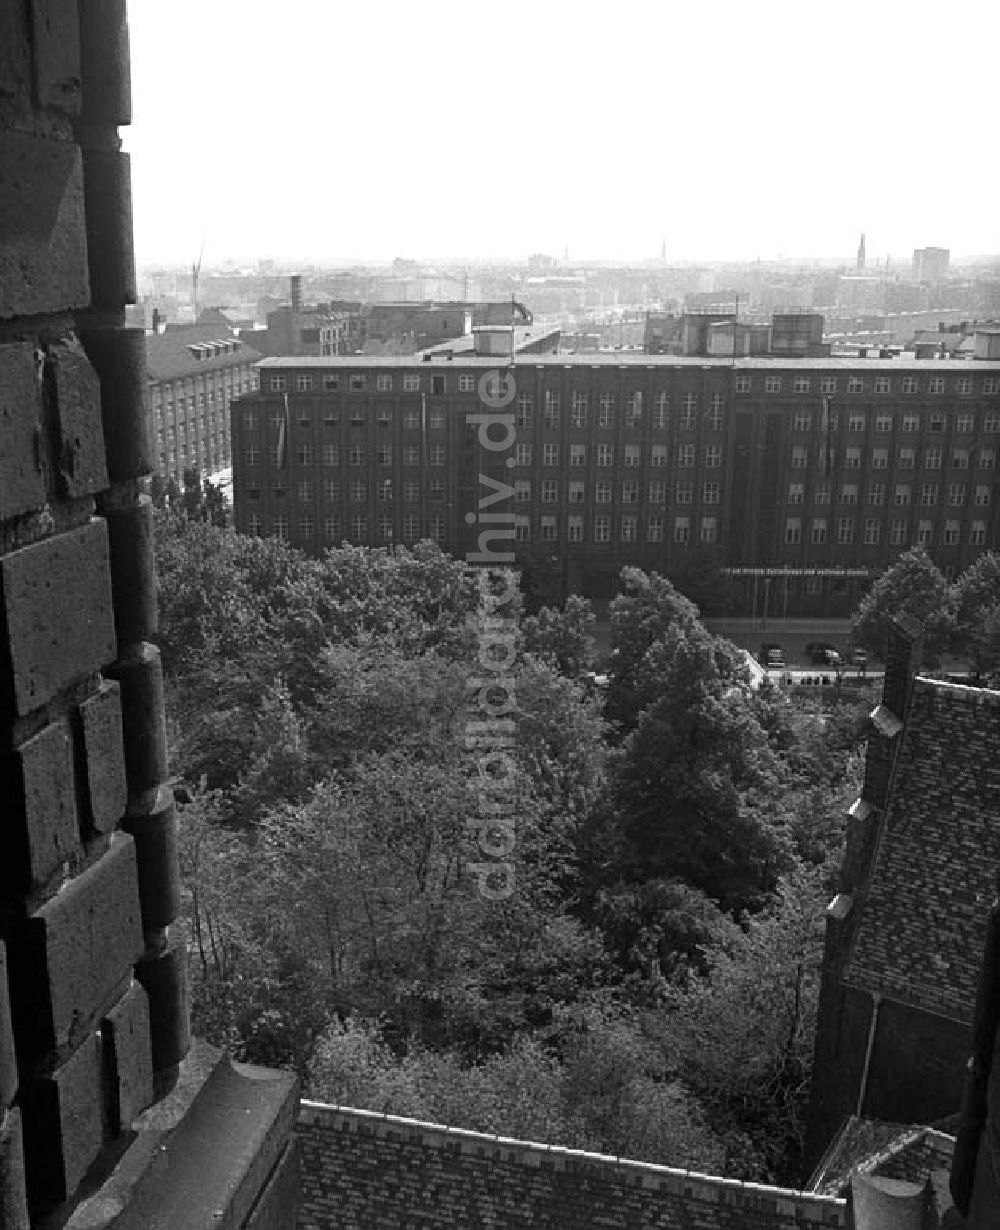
803,477
194,372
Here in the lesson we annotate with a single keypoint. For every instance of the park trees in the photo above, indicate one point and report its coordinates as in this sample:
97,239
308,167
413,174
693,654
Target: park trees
913,586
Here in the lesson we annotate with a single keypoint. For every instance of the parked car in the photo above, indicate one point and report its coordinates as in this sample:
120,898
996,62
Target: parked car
823,654
771,655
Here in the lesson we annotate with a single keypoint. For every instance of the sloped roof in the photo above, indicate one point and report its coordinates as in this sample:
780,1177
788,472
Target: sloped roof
919,935
871,1146
169,354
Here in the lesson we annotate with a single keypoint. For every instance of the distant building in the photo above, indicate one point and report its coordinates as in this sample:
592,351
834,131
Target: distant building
930,264
803,477
193,373
861,254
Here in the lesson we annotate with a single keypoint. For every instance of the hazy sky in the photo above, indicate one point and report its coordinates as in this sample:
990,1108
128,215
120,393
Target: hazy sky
325,128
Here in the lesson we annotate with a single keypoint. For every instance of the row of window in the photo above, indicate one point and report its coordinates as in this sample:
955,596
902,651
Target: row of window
360,382
655,528
897,532
357,455
932,458
936,422
902,494
335,527
656,492
333,490
936,385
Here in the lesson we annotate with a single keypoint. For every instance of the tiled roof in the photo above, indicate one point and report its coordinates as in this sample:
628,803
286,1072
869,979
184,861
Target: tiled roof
869,1146
169,354
919,934
637,359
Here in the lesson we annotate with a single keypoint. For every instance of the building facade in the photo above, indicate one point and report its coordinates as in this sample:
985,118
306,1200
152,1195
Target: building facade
810,475
193,374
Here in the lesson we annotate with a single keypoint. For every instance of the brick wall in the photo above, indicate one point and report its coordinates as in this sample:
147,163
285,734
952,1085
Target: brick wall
93,999
360,1169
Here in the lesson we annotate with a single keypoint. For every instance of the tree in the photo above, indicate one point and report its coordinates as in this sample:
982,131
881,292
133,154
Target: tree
913,586
977,614
562,638
645,607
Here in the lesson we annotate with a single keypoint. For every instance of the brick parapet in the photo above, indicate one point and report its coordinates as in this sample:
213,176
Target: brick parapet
356,1164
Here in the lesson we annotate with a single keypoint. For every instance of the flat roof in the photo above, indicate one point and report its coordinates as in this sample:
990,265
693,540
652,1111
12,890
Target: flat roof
635,359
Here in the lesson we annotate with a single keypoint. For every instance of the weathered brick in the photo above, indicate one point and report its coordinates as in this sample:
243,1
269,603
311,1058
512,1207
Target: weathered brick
108,189
67,959
155,836
22,473
42,794
140,676
43,234
129,1057
55,30
119,358
80,462
165,978
133,572
55,599
107,86
8,1058
63,1124
103,755
13,1194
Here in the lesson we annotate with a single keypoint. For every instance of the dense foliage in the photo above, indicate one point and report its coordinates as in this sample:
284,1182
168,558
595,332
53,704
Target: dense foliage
649,985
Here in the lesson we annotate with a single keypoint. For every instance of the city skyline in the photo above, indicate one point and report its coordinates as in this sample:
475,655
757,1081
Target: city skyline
349,134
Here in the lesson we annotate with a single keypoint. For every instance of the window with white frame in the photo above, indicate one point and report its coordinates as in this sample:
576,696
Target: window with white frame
821,492
817,535
606,411
602,528
278,386
359,382
925,533
466,383
331,490
411,455
633,410
802,421
906,459
658,456
987,458
965,424
437,454
384,489
661,412
928,494
855,384
605,454
800,384
522,491
959,458
522,454
935,384
881,384
715,412
713,456
845,530
963,386
578,411
333,527
902,494
633,455
682,529
991,424
550,415
411,491
654,527
710,493
435,420
684,493
656,491
872,531
411,527
710,529
629,529
981,496
856,422
977,533
849,493
932,458
852,458
577,493
793,531
437,527
800,457
897,532
359,490
796,493
253,526
685,455
828,384
436,491
305,491
956,495
550,454
909,384
880,458
630,493
952,533
602,492
772,384
251,455
742,383
357,455
411,384
384,454
281,526
574,529
875,493
549,530
383,382
550,490
577,456
991,385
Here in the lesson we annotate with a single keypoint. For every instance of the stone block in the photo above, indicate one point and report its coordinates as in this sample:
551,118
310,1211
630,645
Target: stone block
103,755
43,230
67,959
133,571
164,977
155,837
22,471
140,676
8,1057
80,463
55,32
278,1203
15,56
119,358
108,190
104,42
13,1193
44,833
63,1124
55,603
128,1057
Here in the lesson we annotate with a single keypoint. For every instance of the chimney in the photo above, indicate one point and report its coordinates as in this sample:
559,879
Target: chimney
296,288
879,1203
